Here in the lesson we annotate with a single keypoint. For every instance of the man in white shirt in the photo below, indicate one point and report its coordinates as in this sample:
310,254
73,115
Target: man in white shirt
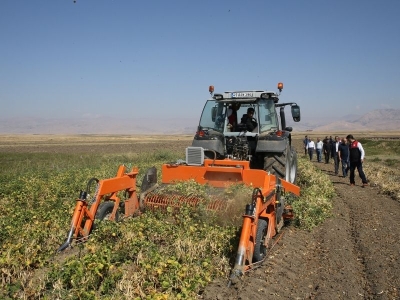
310,147
319,147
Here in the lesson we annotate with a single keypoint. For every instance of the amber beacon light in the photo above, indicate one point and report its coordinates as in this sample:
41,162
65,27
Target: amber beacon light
280,86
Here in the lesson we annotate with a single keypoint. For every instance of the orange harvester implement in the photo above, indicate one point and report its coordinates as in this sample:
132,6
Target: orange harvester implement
104,201
260,221
263,218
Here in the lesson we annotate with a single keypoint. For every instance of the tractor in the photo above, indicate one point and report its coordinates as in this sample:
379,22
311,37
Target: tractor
265,141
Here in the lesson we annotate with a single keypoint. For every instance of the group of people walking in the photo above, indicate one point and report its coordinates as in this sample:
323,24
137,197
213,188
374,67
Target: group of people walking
347,151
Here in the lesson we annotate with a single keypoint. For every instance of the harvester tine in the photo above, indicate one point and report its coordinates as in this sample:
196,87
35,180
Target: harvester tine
67,242
155,200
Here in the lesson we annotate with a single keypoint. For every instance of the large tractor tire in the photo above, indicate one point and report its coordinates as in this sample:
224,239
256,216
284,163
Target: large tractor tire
283,165
260,250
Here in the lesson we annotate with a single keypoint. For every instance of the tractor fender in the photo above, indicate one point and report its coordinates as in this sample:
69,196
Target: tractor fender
271,142
272,145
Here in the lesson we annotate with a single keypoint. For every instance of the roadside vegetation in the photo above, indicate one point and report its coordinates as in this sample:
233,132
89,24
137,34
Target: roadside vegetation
159,255
314,205
382,165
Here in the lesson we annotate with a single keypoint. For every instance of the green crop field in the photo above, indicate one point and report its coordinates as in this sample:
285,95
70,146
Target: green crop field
158,255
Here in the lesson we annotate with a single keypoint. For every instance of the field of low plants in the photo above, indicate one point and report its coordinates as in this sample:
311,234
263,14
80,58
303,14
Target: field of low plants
160,255
382,164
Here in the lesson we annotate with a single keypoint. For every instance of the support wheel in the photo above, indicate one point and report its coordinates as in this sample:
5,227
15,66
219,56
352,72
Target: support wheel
104,211
260,250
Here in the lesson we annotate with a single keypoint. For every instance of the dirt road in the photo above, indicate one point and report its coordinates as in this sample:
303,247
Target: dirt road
353,255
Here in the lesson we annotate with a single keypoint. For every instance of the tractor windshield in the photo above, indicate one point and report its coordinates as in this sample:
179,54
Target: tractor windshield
216,116
213,116
268,116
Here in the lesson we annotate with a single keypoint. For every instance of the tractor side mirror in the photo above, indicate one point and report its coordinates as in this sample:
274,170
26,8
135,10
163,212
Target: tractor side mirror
296,113
213,113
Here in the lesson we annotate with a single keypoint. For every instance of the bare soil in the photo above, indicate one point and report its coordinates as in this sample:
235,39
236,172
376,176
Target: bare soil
355,254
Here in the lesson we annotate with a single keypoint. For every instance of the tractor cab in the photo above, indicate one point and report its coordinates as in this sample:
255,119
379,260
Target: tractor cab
228,113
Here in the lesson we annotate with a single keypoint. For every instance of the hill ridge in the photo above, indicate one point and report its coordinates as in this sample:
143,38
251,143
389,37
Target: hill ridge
375,120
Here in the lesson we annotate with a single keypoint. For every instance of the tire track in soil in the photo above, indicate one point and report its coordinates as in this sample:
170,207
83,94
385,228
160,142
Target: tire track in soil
374,220
355,254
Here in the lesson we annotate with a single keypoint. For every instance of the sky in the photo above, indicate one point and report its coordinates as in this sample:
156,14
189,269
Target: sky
134,59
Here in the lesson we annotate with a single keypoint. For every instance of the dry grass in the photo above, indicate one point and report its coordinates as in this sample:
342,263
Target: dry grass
387,178
49,139
357,135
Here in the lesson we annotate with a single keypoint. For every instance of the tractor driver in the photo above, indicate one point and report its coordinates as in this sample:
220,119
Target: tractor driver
248,120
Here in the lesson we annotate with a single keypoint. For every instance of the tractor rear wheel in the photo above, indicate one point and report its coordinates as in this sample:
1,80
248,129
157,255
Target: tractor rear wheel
283,165
104,211
260,250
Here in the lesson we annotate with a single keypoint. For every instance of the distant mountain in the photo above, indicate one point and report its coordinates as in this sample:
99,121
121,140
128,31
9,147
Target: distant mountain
376,120
97,126
381,119
349,117
342,126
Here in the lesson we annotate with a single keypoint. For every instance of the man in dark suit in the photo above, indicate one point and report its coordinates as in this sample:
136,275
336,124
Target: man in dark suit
334,153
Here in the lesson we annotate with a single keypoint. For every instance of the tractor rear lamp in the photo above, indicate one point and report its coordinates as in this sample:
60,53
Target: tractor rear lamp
201,133
279,133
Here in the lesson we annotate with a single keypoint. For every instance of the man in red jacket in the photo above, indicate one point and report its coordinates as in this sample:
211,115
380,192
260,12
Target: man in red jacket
356,156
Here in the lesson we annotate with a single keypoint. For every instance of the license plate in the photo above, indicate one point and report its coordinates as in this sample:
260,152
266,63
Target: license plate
242,95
